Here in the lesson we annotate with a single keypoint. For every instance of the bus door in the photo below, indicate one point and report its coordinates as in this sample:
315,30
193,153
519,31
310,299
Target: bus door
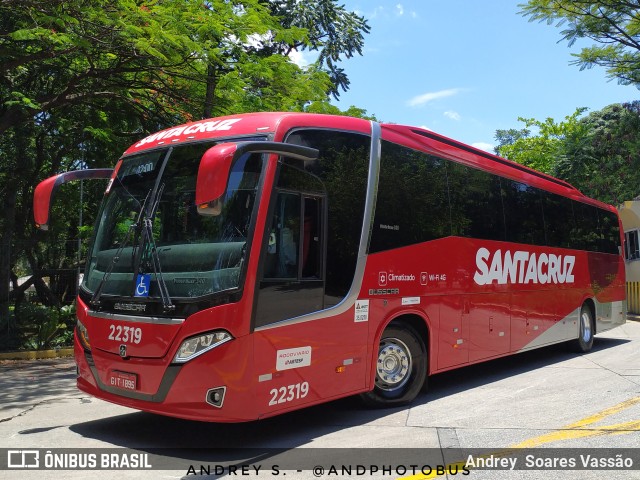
305,348
293,281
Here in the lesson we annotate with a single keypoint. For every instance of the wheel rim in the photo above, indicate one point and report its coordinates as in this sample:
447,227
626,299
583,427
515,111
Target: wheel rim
585,327
394,364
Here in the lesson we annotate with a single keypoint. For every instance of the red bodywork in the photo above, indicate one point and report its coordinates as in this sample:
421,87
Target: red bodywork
431,281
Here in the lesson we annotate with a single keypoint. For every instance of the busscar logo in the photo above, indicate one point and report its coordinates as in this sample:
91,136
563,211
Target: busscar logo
384,291
130,307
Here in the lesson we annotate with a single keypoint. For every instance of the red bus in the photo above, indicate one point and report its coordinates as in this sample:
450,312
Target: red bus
250,265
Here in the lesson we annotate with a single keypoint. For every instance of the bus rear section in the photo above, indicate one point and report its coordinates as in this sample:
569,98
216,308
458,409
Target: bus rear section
494,257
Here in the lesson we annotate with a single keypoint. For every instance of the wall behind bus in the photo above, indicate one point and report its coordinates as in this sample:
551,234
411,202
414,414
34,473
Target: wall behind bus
630,217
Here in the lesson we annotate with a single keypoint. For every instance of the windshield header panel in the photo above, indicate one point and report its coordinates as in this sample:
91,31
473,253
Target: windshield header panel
211,129
274,124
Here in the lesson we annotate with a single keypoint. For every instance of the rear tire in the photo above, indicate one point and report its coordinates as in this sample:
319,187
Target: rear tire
584,342
401,368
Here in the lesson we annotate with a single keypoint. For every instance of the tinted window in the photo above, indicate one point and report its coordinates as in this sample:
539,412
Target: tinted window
586,232
523,213
343,168
610,232
476,203
295,178
282,256
412,203
558,220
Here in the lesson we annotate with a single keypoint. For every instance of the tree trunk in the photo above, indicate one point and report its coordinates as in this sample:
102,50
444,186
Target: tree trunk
45,294
7,224
209,98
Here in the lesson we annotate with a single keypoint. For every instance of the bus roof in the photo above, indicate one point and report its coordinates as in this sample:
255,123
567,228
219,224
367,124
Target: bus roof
246,124
427,140
264,123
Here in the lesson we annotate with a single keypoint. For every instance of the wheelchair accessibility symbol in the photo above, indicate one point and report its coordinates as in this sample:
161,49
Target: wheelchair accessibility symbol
143,282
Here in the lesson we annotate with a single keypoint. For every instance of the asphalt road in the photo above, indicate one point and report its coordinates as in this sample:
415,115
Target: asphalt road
546,399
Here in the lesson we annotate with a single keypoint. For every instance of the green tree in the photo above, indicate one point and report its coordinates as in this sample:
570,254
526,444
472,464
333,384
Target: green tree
80,81
599,153
540,151
605,163
509,137
614,26
332,31
329,109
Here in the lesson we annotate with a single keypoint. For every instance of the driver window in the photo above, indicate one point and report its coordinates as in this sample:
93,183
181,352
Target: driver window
284,238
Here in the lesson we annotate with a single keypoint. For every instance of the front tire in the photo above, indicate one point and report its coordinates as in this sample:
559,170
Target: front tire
584,342
401,368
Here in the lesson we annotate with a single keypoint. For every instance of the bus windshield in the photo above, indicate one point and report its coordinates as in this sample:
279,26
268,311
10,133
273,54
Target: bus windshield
181,253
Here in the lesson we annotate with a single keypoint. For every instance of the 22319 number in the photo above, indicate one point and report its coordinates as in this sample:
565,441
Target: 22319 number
125,334
288,393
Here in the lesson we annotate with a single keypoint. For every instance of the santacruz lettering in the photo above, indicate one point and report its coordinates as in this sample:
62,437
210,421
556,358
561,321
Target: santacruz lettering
522,267
199,127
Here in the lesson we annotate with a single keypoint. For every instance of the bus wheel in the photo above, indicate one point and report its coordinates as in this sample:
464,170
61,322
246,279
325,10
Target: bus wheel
584,342
401,368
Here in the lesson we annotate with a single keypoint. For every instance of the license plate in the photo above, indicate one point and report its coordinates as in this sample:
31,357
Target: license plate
123,380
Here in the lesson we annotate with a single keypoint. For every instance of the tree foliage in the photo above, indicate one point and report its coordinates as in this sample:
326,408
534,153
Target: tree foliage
542,150
80,81
604,163
599,153
331,31
159,60
614,26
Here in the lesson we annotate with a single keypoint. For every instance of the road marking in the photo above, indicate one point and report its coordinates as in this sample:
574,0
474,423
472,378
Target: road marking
580,429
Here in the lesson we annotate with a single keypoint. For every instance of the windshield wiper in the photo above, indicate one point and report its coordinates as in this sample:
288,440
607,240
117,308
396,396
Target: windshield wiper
147,235
95,299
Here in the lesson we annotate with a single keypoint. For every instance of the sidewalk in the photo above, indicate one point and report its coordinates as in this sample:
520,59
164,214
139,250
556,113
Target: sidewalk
37,354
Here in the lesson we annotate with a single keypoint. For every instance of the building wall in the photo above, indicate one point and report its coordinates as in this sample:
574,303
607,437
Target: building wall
630,217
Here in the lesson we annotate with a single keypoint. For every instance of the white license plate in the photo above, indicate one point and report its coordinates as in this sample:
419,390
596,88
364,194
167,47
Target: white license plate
123,380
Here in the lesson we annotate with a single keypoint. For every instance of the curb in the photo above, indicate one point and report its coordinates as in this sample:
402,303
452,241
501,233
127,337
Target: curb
37,354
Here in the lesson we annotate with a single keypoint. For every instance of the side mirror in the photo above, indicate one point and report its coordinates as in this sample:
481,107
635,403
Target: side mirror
43,194
217,162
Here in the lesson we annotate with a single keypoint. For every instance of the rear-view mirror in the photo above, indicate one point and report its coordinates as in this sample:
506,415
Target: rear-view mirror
217,162
43,194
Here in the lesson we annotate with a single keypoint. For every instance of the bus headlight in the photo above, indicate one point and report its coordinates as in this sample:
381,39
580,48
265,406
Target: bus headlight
194,346
83,335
